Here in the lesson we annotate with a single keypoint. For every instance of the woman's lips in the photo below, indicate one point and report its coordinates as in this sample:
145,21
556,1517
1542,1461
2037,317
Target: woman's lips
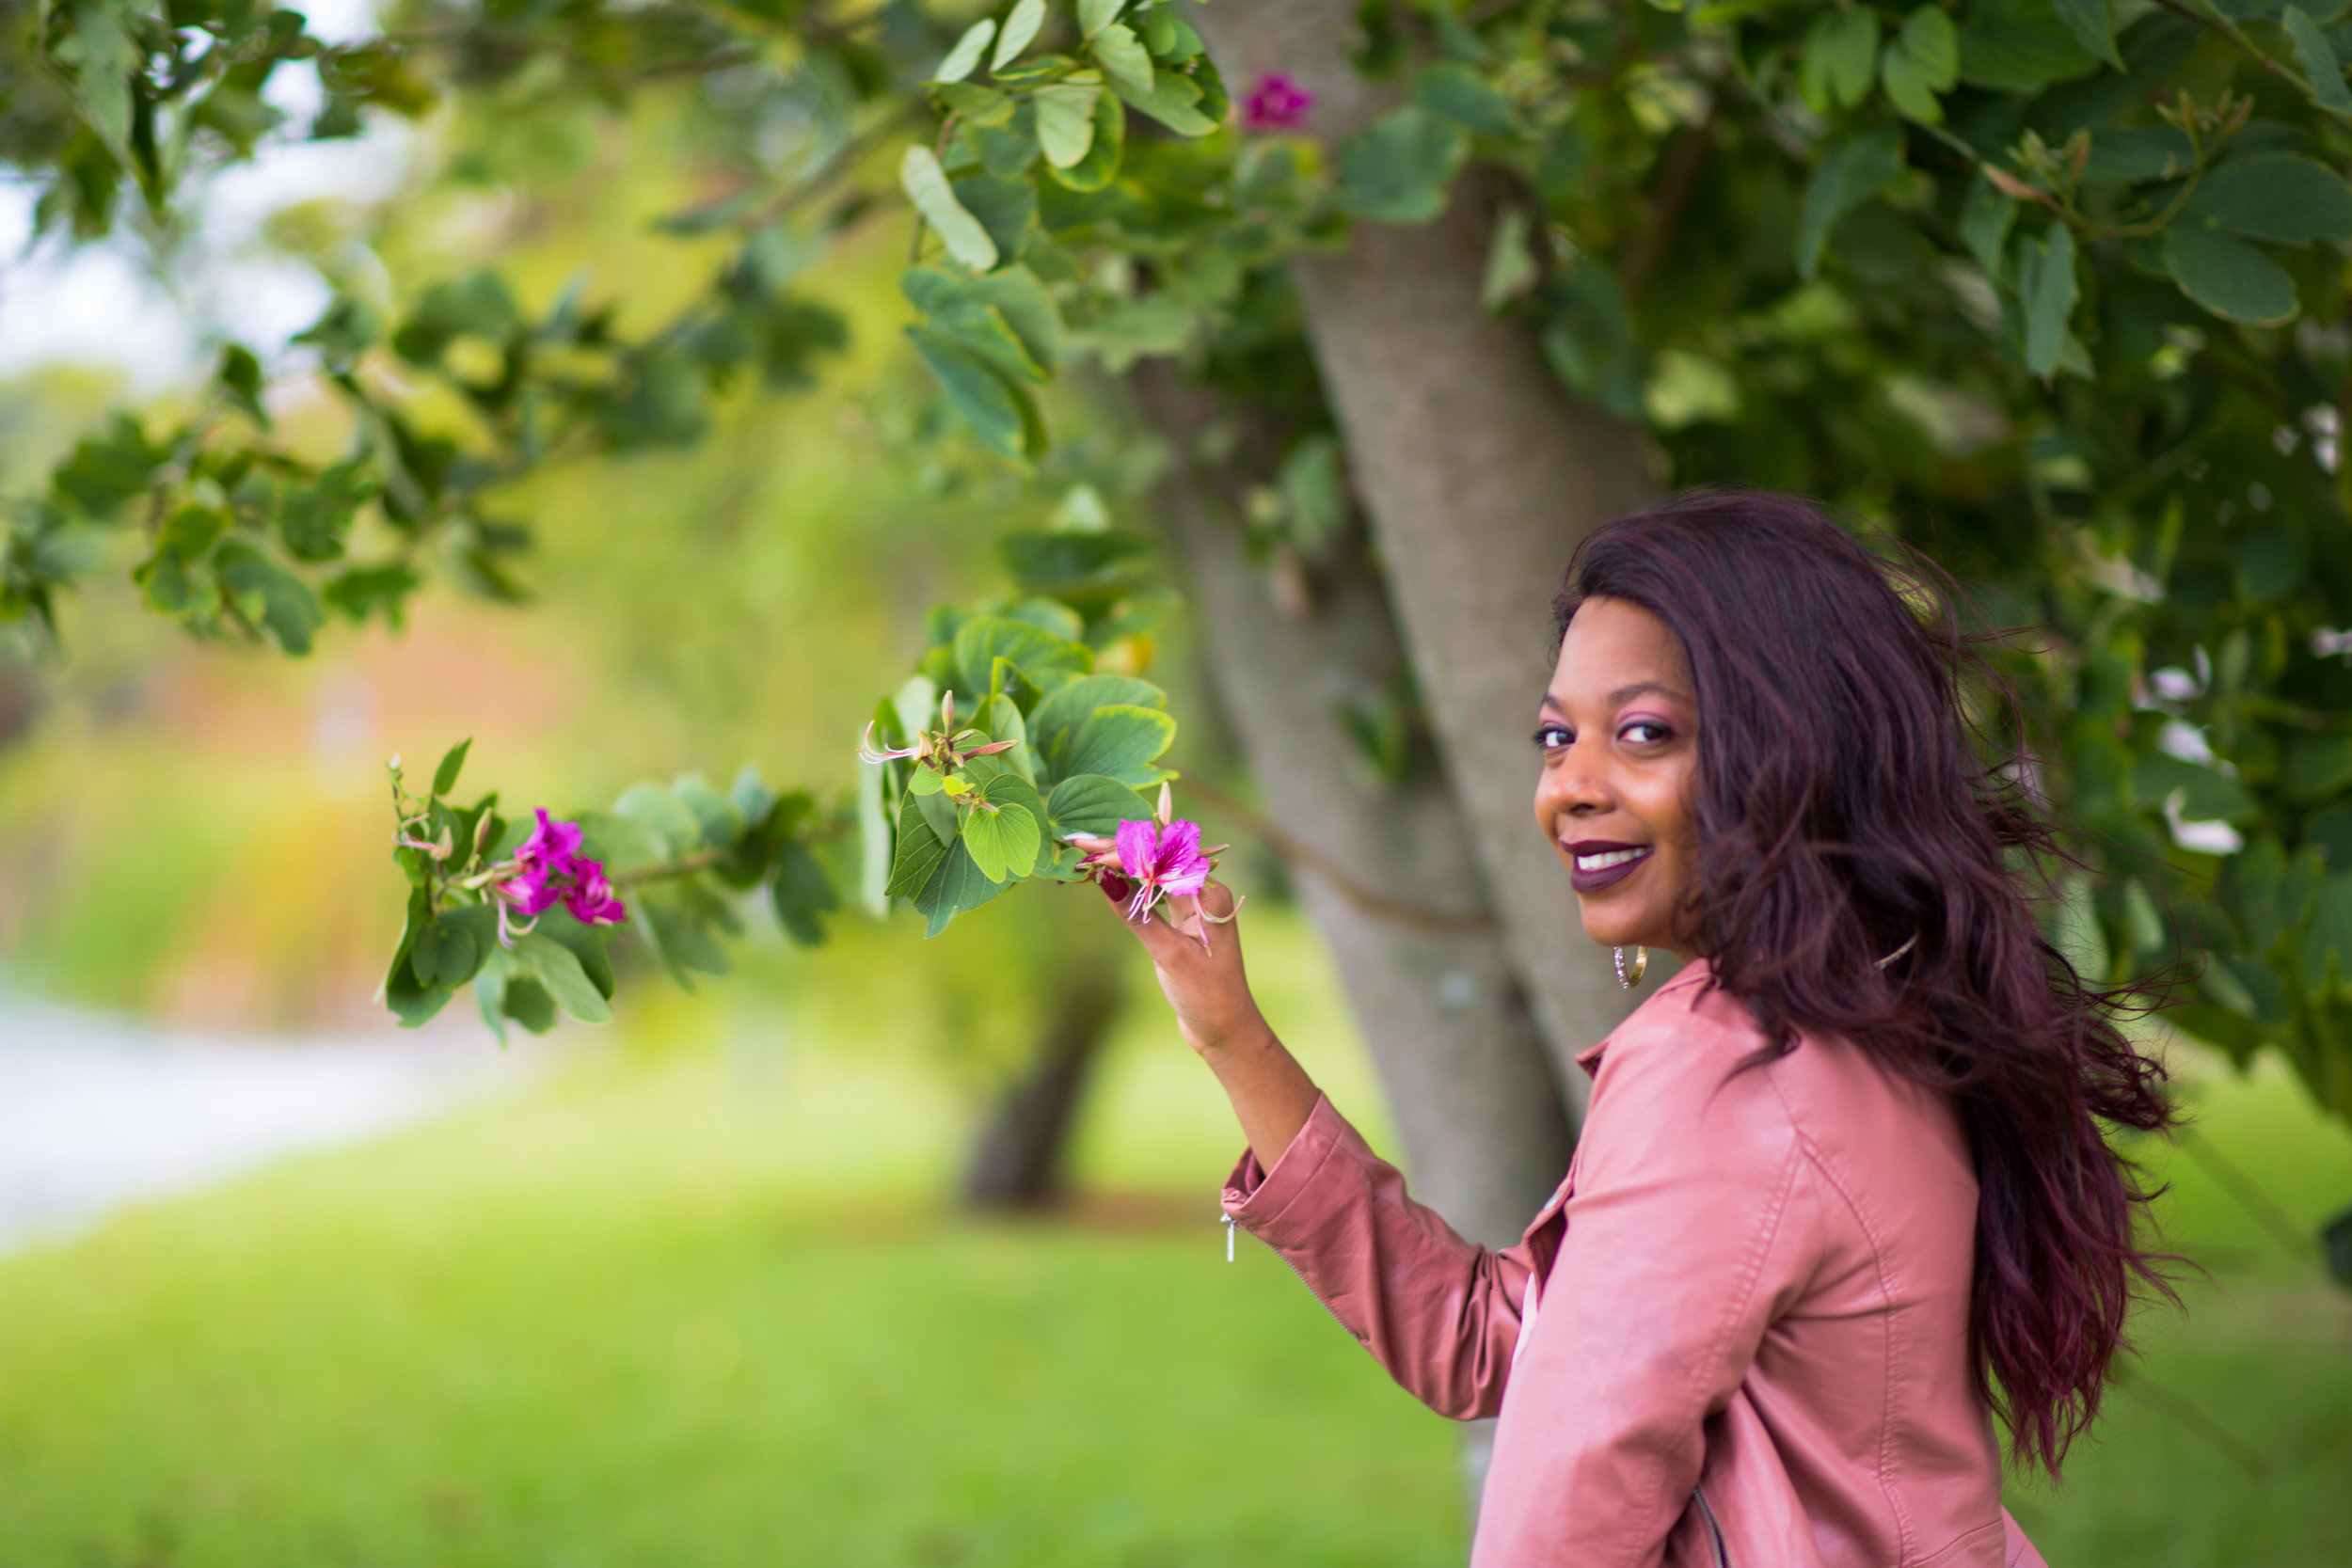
1594,865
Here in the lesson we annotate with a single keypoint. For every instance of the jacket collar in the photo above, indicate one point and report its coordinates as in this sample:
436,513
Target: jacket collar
1690,974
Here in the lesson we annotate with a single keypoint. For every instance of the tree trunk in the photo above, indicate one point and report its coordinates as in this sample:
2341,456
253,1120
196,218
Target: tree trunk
1387,875
1479,473
1016,1162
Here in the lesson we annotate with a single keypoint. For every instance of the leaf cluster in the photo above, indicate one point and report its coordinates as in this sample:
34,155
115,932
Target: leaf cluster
684,854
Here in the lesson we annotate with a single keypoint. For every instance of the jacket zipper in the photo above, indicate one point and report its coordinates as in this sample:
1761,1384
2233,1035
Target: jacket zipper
1714,1530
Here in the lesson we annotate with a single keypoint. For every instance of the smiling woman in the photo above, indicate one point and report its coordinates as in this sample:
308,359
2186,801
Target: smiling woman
1843,1192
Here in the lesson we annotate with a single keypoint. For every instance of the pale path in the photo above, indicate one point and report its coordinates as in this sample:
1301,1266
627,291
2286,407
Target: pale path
99,1111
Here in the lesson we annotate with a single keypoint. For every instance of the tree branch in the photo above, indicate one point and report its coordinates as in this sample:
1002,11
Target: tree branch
1302,855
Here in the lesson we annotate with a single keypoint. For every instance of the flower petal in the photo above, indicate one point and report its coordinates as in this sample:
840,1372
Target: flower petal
1138,849
1180,849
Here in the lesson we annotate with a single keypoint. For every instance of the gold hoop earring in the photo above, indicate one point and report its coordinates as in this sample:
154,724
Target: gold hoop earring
1633,977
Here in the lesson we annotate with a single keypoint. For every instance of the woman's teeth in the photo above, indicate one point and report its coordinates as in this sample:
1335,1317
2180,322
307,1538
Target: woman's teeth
1603,863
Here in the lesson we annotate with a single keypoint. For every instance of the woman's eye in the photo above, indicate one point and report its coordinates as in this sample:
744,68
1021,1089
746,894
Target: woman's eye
1643,732
1552,737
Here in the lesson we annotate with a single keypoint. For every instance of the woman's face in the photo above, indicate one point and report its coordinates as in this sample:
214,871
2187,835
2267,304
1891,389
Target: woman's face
1619,735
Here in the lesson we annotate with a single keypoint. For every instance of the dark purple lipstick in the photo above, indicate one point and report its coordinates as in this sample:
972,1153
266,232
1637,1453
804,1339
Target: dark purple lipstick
1616,862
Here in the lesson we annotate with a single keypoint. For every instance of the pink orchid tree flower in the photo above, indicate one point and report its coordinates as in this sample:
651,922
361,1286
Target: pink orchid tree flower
1150,860
549,869
1276,103
592,900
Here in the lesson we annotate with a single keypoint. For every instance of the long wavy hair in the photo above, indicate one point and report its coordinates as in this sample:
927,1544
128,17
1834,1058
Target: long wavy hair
1846,805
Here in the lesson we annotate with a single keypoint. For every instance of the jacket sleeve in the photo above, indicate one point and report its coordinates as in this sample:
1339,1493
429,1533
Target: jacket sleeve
1442,1315
1695,1224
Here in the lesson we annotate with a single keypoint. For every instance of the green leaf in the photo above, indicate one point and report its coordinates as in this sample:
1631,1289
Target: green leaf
983,640
2316,766
1002,842
587,943
107,471
999,412
1090,803
489,995
280,600
919,853
527,1001
1020,27
1984,224
1001,718
956,886
1006,208
2274,195
927,186
1095,15
2325,945
802,896
1052,719
453,764
1120,742
420,916
1922,60
1122,57
2020,46
676,925
557,967
2093,26
663,815
1396,169
1065,121
2049,298
1170,37
1173,100
446,954
965,57
1850,173
1835,66
2318,59
1462,95
1105,153
2208,795
925,781
2228,276
717,824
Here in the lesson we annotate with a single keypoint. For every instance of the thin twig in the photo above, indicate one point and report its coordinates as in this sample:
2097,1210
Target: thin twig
2171,1405
1363,898
2251,1198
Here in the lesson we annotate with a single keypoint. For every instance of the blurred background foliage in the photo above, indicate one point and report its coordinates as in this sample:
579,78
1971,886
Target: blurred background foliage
696,1297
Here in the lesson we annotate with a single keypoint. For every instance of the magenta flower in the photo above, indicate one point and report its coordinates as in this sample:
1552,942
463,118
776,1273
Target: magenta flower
532,894
553,844
1276,104
1157,861
548,870
592,900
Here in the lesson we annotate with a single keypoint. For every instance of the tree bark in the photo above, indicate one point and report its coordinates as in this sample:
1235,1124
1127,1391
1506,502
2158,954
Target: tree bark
1388,876
1016,1161
1480,473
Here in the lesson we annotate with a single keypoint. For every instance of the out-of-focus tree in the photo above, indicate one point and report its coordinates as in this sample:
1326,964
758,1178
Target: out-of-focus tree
2048,287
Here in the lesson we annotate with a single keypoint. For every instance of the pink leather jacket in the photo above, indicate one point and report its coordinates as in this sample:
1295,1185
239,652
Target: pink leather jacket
1736,1335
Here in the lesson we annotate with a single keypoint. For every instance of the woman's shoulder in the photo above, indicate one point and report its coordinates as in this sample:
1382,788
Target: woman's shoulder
1693,1058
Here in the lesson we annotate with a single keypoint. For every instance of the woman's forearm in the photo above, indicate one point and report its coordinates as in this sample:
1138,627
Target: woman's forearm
1271,1094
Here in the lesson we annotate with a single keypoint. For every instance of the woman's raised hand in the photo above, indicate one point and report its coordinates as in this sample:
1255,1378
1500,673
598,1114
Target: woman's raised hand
1196,951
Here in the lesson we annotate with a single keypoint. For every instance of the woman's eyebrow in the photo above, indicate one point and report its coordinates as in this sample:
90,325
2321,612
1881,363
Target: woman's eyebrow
1627,693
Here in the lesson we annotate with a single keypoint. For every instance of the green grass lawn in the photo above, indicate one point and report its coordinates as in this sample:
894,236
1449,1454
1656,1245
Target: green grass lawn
700,1305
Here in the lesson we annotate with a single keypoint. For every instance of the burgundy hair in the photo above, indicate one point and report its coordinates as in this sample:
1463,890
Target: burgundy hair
1846,805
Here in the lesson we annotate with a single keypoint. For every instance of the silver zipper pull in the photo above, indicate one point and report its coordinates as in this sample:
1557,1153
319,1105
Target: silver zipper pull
1229,1234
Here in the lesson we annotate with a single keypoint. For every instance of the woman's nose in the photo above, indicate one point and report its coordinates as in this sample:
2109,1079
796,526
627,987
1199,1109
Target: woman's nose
1570,789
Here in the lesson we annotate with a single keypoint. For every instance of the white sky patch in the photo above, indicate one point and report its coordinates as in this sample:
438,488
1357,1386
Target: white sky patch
105,304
